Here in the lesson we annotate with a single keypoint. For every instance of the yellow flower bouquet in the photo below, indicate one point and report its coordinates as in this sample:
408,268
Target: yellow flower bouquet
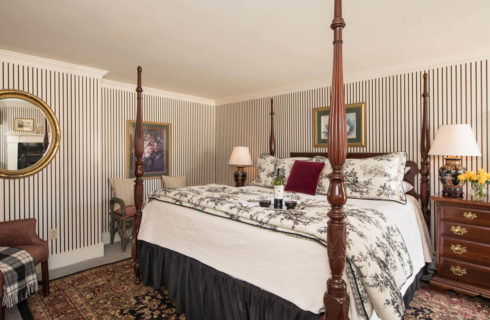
478,182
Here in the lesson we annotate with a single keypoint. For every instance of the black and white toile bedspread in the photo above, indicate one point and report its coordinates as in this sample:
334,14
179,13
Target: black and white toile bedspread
19,275
378,260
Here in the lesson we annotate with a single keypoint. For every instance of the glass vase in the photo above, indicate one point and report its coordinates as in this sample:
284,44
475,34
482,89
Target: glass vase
478,191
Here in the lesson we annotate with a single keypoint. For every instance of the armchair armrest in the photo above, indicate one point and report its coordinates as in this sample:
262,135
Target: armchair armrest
18,233
120,202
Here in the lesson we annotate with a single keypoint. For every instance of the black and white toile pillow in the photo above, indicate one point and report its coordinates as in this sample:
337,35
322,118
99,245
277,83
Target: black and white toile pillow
266,171
323,182
285,166
377,178
267,167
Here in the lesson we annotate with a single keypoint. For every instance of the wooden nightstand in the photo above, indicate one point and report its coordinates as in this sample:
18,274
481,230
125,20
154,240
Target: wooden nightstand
462,246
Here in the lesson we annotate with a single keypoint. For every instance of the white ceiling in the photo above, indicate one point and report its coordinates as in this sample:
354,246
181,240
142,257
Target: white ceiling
222,48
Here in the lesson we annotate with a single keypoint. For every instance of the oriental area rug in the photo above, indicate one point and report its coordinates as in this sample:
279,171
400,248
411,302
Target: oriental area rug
109,292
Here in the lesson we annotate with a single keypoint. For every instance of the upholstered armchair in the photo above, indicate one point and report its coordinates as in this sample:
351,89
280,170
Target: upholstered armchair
22,234
121,209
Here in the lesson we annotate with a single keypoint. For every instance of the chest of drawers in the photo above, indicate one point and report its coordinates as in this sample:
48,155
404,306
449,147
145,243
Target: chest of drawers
462,246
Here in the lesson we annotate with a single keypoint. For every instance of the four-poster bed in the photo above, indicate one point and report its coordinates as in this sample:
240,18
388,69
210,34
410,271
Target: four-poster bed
336,299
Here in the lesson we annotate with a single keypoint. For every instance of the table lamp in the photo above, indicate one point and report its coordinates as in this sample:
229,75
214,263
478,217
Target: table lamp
240,157
453,142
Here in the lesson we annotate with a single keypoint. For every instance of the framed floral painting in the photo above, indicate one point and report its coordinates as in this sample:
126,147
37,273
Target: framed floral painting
156,149
356,125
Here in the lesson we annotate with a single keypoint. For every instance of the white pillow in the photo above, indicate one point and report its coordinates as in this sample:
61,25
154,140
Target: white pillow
377,178
324,181
174,182
266,171
407,187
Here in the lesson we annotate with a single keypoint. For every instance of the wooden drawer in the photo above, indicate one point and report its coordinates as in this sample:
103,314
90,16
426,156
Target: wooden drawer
464,272
465,215
466,251
465,232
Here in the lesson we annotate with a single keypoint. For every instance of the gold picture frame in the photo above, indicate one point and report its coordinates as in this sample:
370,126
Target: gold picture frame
54,134
356,119
150,130
24,124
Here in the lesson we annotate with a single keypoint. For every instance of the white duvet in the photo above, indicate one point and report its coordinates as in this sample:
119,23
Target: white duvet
293,268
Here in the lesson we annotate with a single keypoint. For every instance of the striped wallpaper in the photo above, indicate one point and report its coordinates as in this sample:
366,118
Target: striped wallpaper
72,193
192,138
458,94
66,194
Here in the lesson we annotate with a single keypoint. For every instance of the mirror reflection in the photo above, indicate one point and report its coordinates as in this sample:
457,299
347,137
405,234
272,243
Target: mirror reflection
25,134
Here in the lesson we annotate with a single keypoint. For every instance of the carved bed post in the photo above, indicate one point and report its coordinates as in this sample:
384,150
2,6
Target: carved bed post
272,140
138,172
424,149
336,299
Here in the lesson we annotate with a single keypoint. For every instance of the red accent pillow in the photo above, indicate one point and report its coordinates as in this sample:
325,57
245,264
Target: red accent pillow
304,177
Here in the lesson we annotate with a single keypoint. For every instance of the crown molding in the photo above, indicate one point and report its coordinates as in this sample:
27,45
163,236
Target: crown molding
156,92
417,66
50,64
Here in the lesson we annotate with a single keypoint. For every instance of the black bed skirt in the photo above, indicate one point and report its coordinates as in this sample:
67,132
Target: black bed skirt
202,292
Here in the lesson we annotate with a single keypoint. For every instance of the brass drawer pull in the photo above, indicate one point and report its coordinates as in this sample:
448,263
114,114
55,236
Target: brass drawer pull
459,230
458,271
470,215
458,249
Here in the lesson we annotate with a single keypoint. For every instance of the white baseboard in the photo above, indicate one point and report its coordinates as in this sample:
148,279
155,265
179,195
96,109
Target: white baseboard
106,238
76,256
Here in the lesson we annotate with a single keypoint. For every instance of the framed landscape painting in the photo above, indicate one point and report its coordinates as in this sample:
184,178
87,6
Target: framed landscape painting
356,125
23,124
156,149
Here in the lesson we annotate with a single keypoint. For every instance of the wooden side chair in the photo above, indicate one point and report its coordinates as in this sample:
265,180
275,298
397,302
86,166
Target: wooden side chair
22,234
121,209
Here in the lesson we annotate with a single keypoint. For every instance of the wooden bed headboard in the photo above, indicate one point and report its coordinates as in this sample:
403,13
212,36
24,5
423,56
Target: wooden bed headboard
409,176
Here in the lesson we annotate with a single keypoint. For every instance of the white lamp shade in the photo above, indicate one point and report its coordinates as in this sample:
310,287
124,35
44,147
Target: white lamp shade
455,140
240,156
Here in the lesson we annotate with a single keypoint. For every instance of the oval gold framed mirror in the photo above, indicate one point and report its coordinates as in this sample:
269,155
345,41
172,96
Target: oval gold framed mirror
29,134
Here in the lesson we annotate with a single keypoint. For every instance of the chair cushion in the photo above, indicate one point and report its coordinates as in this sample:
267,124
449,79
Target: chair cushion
174,182
17,232
130,211
124,190
304,177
